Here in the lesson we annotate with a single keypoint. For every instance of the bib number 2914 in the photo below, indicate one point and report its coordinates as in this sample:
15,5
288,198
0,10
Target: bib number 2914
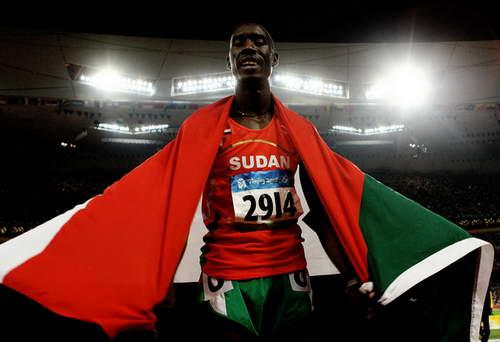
270,204
264,197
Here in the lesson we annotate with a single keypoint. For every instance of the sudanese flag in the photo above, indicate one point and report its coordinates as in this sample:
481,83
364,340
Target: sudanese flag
113,258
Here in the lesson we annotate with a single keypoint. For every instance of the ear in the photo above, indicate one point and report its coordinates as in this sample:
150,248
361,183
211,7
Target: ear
228,63
276,59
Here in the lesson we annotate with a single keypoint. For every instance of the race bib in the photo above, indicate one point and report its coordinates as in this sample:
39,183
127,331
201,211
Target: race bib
264,197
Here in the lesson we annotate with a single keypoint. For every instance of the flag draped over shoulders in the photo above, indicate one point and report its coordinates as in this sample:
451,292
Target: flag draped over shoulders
113,258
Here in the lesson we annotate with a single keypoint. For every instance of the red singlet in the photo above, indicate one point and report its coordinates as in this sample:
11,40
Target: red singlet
250,205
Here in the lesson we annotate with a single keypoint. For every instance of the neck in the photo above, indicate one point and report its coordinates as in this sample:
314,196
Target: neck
253,97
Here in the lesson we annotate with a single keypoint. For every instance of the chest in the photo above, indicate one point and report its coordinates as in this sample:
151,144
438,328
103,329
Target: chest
243,149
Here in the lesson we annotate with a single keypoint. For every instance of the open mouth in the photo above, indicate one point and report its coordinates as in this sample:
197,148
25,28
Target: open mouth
249,63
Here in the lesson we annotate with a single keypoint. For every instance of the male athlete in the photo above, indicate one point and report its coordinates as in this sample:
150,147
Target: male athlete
253,267
254,272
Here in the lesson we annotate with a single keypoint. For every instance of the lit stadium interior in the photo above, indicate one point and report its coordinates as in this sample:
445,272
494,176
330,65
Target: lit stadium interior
79,110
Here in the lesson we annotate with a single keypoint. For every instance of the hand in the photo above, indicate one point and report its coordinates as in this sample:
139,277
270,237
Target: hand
368,289
362,297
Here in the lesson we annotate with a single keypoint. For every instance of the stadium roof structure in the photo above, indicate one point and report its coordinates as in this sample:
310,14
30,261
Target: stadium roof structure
48,61
33,63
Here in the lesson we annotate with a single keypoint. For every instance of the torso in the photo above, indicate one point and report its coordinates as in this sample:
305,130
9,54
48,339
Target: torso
250,205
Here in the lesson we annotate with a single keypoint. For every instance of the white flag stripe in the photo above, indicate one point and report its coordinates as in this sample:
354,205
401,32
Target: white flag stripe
318,262
189,269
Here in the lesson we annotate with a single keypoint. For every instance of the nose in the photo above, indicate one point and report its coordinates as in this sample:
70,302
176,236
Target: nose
248,50
248,44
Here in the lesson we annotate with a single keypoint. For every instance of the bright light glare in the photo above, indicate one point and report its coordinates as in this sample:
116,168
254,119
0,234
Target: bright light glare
203,84
151,129
347,129
226,82
113,81
368,131
407,86
128,130
309,85
113,128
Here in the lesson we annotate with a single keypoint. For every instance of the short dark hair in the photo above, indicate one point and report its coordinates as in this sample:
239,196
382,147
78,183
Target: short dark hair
256,23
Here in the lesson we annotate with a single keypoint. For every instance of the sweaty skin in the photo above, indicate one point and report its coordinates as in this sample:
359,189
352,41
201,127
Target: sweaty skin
251,59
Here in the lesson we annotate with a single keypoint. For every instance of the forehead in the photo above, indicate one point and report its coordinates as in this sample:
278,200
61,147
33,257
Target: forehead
248,29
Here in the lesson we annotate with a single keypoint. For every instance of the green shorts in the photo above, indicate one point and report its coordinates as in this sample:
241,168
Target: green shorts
264,306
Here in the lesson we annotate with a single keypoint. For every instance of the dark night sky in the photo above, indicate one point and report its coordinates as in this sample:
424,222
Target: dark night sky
354,21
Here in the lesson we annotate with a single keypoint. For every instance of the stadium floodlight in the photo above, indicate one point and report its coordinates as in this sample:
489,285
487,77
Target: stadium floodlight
405,85
133,141
383,129
310,85
347,129
65,144
113,128
150,129
110,80
368,131
223,81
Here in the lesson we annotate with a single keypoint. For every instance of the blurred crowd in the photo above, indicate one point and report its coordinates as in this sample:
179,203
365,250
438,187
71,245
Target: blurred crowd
470,201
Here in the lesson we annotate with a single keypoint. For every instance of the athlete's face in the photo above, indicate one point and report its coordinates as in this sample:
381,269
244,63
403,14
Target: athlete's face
250,53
